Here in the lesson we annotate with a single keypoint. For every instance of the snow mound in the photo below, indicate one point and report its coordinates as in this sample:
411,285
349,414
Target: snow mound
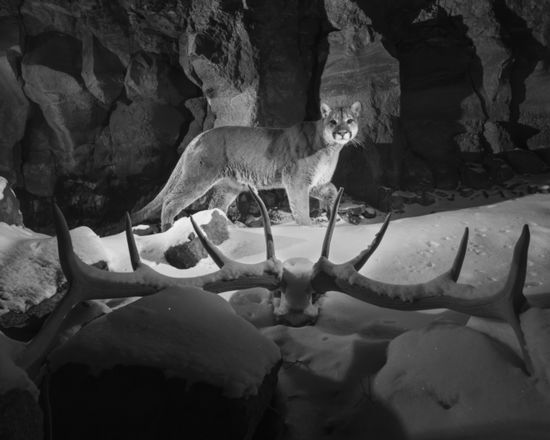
255,305
448,379
536,328
11,376
186,333
30,270
153,247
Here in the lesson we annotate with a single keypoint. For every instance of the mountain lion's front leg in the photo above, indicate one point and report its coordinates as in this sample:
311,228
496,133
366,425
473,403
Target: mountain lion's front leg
326,193
298,198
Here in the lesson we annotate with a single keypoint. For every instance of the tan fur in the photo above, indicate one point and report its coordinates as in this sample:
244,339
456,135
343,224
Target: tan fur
301,159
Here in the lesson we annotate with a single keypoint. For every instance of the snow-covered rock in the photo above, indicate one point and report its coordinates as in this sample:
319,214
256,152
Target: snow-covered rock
30,272
183,332
180,246
189,357
448,379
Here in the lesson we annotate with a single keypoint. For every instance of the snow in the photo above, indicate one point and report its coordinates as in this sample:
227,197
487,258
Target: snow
449,379
30,271
185,333
153,247
362,365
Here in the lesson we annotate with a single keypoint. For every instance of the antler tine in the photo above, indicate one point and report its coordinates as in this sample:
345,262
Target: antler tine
510,299
132,248
440,292
359,261
461,253
332,221
269,245
219,258
85,282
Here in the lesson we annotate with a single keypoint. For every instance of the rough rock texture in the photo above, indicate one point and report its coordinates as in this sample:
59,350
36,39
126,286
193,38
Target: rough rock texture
99,98
132,402
32,282
20,416
178,364
9,205
189,253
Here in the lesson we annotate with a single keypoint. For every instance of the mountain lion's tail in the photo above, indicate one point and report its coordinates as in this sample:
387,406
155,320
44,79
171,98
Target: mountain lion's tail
149,210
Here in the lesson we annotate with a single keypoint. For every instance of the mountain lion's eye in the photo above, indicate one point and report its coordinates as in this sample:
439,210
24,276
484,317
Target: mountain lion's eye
349,121
332,122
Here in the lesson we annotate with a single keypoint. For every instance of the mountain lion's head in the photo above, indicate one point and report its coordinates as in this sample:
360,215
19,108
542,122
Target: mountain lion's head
340,122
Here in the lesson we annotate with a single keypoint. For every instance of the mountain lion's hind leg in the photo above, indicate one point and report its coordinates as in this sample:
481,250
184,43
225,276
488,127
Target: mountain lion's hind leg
177,200
224,193
298,199
326,193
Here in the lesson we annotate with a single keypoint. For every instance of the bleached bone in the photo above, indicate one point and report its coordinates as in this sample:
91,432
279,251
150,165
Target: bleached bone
441,292
88,282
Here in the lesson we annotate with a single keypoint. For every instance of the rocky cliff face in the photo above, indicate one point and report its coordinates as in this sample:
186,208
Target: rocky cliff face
98,98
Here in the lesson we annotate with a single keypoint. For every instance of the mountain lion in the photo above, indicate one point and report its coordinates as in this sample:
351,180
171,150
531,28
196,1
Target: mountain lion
301,159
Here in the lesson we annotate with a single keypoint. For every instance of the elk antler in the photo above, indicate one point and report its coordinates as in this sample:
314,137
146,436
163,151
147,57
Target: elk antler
218,257
441,292
88,282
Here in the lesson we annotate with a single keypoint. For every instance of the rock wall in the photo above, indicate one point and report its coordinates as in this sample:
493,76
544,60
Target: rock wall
98,99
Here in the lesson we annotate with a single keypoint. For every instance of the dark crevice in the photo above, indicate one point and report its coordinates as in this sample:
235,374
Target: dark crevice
526,54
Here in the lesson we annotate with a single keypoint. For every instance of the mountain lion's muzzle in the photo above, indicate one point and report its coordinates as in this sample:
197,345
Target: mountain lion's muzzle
342,135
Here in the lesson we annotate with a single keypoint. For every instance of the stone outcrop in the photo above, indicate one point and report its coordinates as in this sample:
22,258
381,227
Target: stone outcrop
25,301
9,205
102,97
144,373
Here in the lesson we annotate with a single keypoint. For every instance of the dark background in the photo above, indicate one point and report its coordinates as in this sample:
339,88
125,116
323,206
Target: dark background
99,97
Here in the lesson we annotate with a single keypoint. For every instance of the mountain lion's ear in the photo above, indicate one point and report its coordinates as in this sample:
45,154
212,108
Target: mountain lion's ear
325,110
356,108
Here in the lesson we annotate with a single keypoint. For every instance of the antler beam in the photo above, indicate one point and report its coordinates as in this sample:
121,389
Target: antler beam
88,282
441,292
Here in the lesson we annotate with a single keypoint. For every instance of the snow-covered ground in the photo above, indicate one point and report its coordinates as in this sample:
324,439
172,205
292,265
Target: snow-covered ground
362,369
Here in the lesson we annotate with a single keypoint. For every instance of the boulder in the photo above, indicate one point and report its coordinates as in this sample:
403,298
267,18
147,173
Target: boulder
203,119
178,364
526,23
217,53
102,70
189,253
14,106
31,279
140,139
9,205
151,77
51,70
39,171
498,137
45,16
